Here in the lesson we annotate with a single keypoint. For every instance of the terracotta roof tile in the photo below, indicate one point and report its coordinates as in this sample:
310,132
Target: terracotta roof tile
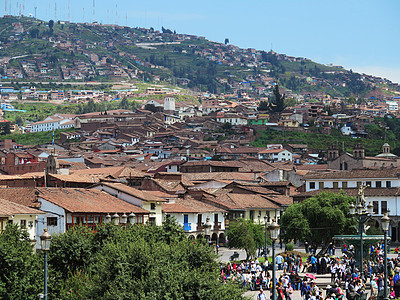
362,173
8,208
144,195
83,200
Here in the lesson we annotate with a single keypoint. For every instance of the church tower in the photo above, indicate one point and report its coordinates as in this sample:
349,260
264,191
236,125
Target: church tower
333,152
358,151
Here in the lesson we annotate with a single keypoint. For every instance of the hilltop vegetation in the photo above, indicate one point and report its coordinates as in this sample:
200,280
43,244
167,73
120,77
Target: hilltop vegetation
58,51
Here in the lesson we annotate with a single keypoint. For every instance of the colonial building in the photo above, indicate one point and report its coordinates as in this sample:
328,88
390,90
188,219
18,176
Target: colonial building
358,160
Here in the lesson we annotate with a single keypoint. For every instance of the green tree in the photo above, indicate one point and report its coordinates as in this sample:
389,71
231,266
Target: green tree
21,273
124,104
263,106
244,234
318,219
51,25
277,101
151,107
136,262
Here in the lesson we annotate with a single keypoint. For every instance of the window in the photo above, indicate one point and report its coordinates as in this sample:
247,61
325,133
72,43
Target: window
52,221
23,223
152,206
388,184
368,183
376,207
252,215
140,219
344,185
312,185
358,184
199,219
320,185
336,185
383,207
378,184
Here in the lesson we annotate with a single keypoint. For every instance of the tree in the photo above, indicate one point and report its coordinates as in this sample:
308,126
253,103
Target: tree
34,33
151,107
244,234
136,262
124,104
263,106
51,25
318,219
277,101
21,271
226,41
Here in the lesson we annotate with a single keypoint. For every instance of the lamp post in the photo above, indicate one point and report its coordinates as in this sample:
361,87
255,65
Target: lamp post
362,213
132,218
385,226
45,240
207,230
266,235
274,230
124,219
108,218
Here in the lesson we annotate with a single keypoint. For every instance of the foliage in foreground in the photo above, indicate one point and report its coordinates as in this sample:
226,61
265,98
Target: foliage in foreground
318,219
244,234
135,262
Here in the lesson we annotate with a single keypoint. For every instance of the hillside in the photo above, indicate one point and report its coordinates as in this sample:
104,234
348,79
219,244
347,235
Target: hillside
32,50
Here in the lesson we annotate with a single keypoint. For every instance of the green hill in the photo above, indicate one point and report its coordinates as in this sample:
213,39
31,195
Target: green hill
33,50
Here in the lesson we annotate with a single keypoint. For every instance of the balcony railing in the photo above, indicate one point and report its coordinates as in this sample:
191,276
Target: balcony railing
187,226
200,226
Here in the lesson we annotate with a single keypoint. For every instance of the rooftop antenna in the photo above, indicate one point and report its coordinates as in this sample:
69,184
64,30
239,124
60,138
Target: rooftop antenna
126,19
55,11
94,10
69,12
23,8
116,14
35,11
5,7
83,12
108,16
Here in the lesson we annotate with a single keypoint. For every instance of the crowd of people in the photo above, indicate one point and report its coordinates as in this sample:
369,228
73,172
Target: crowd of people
299,273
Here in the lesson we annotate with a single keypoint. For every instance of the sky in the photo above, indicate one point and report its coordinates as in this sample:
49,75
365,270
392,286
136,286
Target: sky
362,35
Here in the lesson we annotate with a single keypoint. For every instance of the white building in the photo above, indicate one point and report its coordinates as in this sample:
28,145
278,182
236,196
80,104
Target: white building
23,216
274,155
383,190
234,119
52,123
392,105
192,215
148,200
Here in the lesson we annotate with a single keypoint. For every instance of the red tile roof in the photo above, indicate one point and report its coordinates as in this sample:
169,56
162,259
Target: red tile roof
87,201
9,208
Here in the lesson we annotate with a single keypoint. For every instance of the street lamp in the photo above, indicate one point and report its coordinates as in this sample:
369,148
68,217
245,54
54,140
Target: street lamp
266,235
207,230
108,218
385,226
115,219
124,219
132,218
274,230
362,213
45,240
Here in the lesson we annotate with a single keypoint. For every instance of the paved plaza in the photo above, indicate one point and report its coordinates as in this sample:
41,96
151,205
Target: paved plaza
321,280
